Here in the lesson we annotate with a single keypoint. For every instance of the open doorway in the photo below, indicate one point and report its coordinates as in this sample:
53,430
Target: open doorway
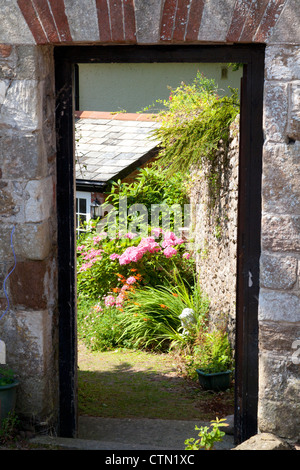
249,213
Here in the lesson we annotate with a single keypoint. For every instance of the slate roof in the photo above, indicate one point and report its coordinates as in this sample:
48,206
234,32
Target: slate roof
111,146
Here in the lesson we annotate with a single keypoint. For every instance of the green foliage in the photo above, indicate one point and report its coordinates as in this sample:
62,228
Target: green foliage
6,376
194,126
151,315
98,327
212,353
8,428
151,186
208,438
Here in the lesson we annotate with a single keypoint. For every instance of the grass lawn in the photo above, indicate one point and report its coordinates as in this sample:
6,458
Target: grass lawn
138,384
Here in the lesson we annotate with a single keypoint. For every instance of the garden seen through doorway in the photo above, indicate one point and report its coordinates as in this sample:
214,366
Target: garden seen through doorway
136,275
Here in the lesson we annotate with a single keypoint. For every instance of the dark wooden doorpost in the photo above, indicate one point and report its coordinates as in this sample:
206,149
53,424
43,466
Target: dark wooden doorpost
66,248
248,246
249,212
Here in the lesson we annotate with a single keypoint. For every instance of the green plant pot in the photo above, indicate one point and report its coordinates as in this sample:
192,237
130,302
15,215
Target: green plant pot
217,381
7,399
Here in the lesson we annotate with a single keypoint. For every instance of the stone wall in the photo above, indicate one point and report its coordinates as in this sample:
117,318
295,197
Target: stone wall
28,223
279,302
213,231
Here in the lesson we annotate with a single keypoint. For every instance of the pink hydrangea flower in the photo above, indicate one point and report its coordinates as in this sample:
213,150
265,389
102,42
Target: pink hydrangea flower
109,301
170,239
119,300
93,254
81,247
170,251
135,253
156,232
186,255
130,235
131,280
114,256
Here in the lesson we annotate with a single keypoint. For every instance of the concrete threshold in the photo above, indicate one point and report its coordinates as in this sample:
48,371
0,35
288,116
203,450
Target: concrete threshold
130,434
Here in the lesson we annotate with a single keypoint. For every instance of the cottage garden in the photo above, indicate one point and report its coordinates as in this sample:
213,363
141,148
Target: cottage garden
134,284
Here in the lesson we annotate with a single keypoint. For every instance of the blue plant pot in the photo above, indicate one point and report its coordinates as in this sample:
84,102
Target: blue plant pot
7,399
217,381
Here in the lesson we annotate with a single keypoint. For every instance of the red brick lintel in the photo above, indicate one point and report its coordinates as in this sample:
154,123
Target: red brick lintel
115,116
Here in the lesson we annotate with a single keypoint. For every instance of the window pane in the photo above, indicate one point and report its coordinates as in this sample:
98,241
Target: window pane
82,206
82,219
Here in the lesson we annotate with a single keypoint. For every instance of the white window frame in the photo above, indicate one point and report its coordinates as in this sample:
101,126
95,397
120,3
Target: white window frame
88,198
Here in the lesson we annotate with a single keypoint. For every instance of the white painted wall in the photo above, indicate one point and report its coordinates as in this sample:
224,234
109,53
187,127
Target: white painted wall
131,87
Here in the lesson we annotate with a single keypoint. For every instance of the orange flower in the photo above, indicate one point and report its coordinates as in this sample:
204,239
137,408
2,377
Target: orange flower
116,289
145,319
162,306
121,276
175,295
133,270
136,303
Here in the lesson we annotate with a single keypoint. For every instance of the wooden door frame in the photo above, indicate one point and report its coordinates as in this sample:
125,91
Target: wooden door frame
249,211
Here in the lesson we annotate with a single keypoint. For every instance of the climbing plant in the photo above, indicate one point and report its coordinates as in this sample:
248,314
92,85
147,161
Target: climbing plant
195,125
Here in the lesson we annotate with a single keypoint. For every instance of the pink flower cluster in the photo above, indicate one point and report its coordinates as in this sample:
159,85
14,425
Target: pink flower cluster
148,244
135,253
91,257
99,237
169,251
109,301
93,254
170,239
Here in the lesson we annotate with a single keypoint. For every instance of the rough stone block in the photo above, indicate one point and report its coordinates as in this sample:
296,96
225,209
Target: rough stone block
278,306
276,417
82,20
31,352
14,29
293,129
278,272
5,50
216,17
282,62
275,111
40,200
281,233
33,241
27,284
279,338
281,174
264,441
278,378
21,106
287,28
22,154
34,62
148,16
11,201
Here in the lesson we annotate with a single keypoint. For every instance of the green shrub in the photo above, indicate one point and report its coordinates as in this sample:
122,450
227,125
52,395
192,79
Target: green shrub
151,316
151,186
99,328
212,353
102,261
